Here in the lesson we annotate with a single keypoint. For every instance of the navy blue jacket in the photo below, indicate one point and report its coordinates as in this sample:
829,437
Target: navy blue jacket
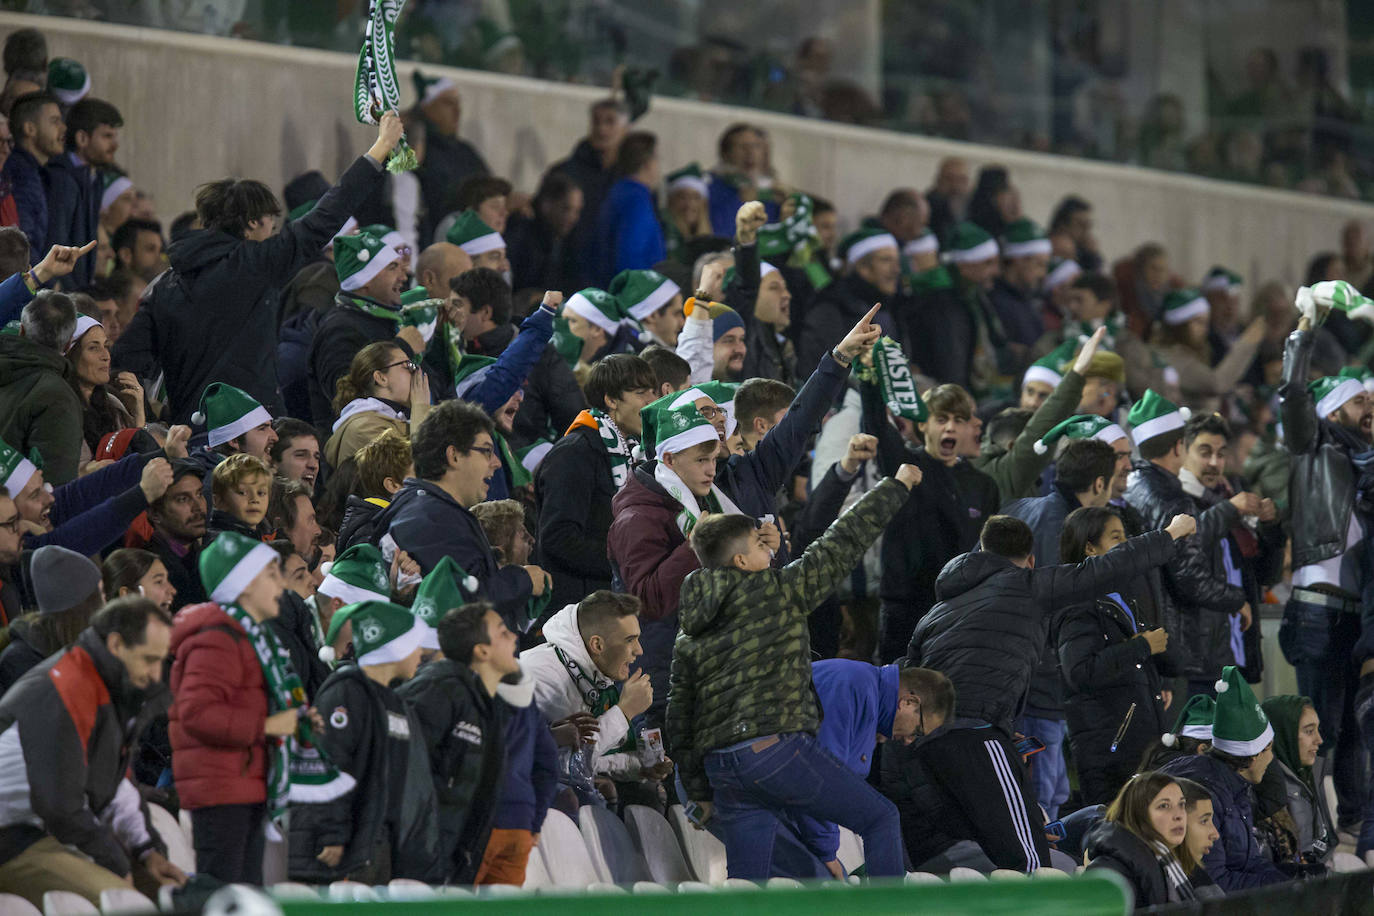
93,512
74,191
628,232
14,295
429,524
1236,861
1045,515
858,702
531,772
29,186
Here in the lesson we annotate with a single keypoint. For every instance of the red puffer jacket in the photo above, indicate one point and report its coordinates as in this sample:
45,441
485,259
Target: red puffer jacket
219,750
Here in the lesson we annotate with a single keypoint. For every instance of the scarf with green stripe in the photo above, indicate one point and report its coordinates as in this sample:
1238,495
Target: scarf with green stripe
716,500
375,87
423,315
1082,330
892,374
297,771
599,699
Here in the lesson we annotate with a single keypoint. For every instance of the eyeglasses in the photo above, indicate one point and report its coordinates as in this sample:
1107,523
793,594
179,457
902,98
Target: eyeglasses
710,413
408,363
486,450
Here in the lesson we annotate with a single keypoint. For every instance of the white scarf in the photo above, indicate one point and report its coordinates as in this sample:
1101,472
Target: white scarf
687,519
368,405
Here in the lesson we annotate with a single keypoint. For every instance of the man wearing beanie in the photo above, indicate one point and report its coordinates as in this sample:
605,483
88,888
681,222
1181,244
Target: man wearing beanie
1192,587
1242,749
385,826
67,588
729,350
372,275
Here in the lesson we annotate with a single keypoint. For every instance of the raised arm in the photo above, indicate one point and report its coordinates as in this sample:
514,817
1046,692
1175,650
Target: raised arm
834,554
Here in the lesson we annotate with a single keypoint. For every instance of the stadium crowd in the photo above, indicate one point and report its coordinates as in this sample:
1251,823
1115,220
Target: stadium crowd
379,518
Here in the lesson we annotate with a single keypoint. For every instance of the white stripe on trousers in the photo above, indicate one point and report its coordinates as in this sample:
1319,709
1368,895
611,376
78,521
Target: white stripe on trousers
1016,802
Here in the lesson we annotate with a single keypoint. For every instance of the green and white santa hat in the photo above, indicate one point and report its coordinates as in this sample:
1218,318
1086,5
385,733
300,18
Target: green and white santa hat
229,412
858,245
116,185
1082,426
1219,280
359,258
1061,271
1154,415
1025,238
470,233
388,235
358,574
925,243
440,592
382,632
15,470
428,88
642,292
671,429
1049,368
1332,392
1183,305
689,178
68,80
969,243
1361,374
597,306
231,563
1195,721
1240,727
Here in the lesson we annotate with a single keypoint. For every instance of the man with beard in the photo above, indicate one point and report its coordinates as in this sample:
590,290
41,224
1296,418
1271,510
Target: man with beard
1326,427
10,604
75,179
372,275
178,519
138,247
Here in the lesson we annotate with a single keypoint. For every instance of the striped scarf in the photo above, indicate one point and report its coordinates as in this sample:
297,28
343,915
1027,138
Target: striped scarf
716,500
293,755
619,447
1180,888
375,88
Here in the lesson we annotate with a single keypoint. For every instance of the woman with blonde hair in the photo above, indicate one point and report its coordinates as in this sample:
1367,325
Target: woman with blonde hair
383,389
1140,839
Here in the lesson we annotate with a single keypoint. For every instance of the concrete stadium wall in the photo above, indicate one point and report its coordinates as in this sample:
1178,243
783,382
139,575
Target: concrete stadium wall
199,108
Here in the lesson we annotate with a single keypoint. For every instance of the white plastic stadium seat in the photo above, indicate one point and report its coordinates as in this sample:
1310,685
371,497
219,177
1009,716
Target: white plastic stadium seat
565,855
740,884
1006,873
654,838
350,890
651,887
1047,871
65,903
409,889
536,872
500,890
851,851
774,883
694,887
1343,862
705,854
923,877
293,890
125,900
14,905
605,887
614,855
180,852
966,874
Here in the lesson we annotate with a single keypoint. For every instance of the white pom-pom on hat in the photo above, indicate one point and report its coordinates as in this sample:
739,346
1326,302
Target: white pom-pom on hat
325,567
198,418
1185,413
327,654
364,254
1040,447
1169,739
470,583
1221,686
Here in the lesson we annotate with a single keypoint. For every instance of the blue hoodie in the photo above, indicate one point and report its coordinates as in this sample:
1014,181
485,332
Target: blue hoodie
858,703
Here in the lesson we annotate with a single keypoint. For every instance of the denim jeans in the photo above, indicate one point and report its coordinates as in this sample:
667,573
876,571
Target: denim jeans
759,794
1049,772
1318,641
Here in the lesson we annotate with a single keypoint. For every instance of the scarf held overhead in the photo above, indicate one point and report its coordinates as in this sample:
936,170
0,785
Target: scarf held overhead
375,88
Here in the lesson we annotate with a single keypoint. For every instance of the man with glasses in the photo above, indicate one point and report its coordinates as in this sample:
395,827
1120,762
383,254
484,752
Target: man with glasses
454,451
10,604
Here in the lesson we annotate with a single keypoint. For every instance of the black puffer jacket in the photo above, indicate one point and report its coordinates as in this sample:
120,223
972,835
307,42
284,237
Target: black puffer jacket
1111,846
987,632
573,489
1195,586
1106,669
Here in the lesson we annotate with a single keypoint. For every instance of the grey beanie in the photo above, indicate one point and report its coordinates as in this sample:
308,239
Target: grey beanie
61,578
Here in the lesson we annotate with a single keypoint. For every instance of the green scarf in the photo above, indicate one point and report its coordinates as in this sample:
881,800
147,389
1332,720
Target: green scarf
294,755
375,89
892,374
1284,713
519,474
792,235
423,315
1082,330
618,447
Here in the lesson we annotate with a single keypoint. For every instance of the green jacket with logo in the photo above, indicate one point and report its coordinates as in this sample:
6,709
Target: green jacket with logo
742,660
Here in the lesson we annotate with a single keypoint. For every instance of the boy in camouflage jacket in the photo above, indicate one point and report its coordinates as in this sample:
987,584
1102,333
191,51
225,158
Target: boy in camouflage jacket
742,714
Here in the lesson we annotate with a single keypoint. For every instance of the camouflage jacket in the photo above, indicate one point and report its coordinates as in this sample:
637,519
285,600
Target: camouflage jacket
742,660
